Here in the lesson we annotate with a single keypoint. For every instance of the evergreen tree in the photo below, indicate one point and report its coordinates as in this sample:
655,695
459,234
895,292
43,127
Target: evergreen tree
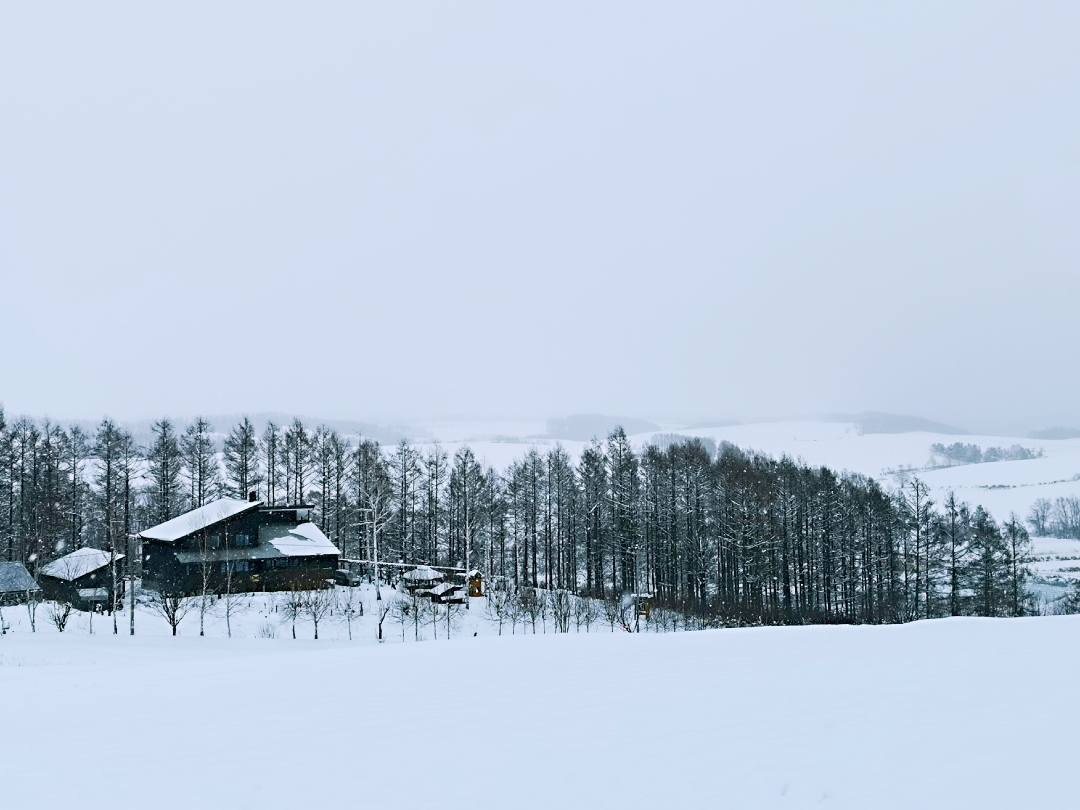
405,472
164,491
989,568
270,450
436,477
241,456
297,460
466,508
108,452
1017,544
592,472
201,467
954,528
78,451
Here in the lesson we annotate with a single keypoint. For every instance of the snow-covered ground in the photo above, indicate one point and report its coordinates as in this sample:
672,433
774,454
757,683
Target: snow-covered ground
260,616
939,714
944,713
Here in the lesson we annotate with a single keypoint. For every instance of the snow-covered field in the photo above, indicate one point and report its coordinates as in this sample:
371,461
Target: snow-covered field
256,616
939,714
944,713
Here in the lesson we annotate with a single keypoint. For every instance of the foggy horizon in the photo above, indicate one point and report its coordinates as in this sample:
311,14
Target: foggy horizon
419,213
390,430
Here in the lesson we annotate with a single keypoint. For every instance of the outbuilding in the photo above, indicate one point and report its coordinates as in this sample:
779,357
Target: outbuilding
423,576
84,578
444,593
16,584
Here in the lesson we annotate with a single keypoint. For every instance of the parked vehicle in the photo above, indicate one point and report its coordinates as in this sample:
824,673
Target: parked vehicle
347,578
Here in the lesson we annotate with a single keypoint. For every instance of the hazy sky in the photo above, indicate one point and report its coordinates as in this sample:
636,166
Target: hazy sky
396,211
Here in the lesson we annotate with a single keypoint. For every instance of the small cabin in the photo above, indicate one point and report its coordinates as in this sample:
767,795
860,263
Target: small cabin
238,546
421,577
83,578
16,584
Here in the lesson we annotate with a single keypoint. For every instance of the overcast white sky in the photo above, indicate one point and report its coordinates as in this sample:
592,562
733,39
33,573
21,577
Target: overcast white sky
681,211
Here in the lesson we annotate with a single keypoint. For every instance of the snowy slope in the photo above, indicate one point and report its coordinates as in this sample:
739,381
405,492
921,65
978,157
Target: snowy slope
1003,487
940,714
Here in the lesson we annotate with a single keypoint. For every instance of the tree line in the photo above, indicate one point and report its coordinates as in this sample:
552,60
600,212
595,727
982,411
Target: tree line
723,535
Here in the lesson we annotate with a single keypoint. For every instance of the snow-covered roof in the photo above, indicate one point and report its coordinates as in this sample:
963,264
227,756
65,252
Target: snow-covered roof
78,564
190,522
422,573
14,578
443,588
299,540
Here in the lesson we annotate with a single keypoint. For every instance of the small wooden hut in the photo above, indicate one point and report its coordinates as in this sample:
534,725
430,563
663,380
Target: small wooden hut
82,578
422,576
16,584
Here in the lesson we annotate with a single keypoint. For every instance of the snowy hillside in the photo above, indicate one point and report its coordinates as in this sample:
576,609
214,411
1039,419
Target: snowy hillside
937,714
1002,487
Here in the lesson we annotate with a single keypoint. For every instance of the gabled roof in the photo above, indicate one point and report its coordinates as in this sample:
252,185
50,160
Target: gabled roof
78,564
443,588
422,573
197,519
15,578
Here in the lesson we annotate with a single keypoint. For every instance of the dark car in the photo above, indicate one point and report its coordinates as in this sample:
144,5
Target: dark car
347,578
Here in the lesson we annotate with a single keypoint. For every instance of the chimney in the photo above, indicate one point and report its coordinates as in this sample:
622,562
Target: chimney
253,496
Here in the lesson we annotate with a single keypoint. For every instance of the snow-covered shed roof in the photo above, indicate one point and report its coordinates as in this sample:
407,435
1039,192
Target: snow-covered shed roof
77,564
422,573
14,578
443,588
205,516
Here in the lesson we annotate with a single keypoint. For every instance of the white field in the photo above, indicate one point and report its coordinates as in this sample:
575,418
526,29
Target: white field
938,714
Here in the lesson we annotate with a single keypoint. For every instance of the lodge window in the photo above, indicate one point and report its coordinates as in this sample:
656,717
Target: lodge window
242,566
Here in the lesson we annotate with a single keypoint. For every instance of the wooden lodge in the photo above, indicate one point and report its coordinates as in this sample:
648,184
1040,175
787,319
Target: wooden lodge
83,579
237,546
